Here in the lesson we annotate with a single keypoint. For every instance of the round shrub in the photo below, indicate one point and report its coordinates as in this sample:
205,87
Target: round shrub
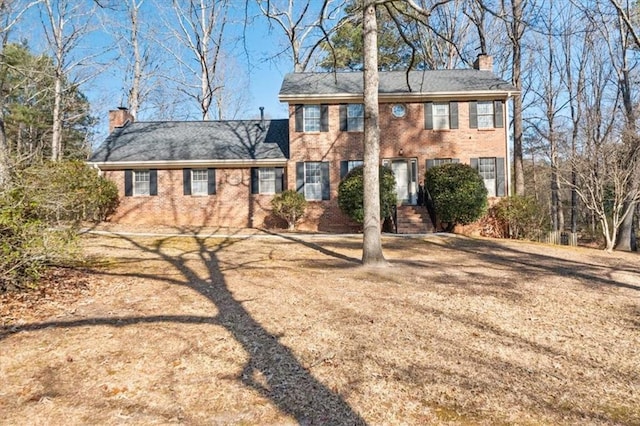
518,217
351,193
458,192
290,206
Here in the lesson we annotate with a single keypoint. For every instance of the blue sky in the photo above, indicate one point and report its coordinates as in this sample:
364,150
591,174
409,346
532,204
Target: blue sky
263,73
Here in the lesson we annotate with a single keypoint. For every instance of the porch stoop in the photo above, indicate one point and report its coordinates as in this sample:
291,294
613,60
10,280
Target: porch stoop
414,220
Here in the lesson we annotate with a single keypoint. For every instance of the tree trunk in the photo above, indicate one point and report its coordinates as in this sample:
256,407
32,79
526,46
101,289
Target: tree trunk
626,240
517,29
56,133
372,243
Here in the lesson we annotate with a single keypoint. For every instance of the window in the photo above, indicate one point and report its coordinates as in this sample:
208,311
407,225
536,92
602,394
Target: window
440,161
267,180
311,117
141,182
485,115
355,117
347,165
312,180
440,115
199,182
492,171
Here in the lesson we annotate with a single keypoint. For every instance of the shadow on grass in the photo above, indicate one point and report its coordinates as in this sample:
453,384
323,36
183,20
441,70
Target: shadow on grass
272,369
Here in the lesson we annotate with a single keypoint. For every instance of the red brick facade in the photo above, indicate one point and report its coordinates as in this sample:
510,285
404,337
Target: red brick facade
233,205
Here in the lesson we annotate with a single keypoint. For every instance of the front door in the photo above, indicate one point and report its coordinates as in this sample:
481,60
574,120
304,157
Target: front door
405,172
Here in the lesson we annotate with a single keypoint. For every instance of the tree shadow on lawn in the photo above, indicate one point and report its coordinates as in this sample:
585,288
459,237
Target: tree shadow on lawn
501,256
272,369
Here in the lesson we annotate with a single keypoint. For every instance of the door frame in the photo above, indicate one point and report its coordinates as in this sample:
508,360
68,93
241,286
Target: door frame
412,177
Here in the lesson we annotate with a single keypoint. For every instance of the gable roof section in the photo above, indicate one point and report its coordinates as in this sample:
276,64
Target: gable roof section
232,143
459,84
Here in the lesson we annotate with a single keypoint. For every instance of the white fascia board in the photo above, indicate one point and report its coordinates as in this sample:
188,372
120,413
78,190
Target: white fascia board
228,164
398,97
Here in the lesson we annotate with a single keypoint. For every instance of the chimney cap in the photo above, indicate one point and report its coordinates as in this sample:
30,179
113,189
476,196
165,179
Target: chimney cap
123,108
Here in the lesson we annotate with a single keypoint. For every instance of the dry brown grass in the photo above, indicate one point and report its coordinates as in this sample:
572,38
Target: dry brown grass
292,330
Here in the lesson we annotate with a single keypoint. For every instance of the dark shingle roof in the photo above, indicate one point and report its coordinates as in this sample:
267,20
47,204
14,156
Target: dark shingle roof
196,141
394,83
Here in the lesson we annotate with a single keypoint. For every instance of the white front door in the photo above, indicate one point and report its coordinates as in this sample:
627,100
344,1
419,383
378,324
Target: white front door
400,170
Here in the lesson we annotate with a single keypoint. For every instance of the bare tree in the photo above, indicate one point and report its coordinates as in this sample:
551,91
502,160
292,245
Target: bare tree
65,24
305,25
199,26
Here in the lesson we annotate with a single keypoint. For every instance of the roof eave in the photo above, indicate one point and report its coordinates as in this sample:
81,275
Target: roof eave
400,97
168,164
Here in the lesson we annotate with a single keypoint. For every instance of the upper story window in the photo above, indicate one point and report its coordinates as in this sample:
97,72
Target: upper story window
355,117
486,114
440,115
312,118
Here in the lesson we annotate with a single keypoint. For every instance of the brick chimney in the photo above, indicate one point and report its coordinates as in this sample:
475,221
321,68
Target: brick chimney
483,62
119,117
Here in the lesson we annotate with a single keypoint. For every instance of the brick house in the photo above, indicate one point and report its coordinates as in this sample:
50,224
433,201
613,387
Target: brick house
224,173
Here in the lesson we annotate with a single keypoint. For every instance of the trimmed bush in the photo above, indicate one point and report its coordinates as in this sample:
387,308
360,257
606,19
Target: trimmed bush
351,193
290,206
458,194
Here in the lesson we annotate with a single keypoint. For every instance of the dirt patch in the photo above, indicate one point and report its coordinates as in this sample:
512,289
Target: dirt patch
292,330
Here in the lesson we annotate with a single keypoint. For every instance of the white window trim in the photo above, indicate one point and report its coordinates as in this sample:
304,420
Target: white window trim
136,182
194,187
440,121
359,118
307,185
272,179
490,115
305,118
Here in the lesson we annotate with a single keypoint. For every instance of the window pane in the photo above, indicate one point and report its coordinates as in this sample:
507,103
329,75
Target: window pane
141,182
487,169
312,118
199,180
267,180
485,115
353,164
441,161
355,117
440,115
312,181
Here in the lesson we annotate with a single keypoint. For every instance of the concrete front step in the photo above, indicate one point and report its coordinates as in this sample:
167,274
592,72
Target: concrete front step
414,220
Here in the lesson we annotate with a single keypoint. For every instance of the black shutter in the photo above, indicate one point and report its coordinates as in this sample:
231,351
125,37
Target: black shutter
474,163
324,173
453,115
255,180
324,118
343,118
300,177
428,115
430,164
299,118
153,182
186,181
211,181
473,115
498,120
128,183
279,179
500,177
344,169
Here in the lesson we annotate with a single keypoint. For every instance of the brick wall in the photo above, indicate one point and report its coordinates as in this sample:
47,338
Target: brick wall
406,133
231,206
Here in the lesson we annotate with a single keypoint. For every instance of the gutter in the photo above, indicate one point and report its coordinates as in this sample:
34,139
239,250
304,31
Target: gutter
400,97
167,164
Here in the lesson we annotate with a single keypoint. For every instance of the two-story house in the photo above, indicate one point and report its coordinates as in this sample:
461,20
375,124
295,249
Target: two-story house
224,173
